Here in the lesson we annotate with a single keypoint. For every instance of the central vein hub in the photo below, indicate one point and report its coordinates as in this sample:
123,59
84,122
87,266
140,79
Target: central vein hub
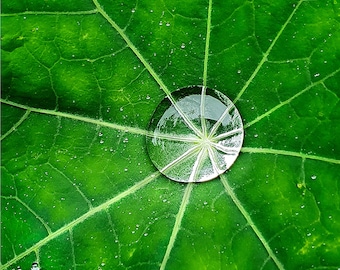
205,142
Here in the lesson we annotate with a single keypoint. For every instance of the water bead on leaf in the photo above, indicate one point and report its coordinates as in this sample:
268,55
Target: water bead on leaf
197,137
35,266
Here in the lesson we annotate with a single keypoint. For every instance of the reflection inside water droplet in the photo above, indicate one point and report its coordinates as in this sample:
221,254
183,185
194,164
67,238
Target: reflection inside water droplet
196,136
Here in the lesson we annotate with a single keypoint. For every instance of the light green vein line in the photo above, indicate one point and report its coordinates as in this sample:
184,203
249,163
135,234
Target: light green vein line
207,44
148,67
48,229
78,118
252,150
85,12
177,224
82,218
17,124
246,215
205,71
265,55
267,113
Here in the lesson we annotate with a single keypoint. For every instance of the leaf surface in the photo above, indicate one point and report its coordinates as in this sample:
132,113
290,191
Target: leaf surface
80,83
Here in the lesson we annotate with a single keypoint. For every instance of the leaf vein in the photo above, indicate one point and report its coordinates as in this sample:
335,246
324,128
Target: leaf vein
91,212
254,150
266,54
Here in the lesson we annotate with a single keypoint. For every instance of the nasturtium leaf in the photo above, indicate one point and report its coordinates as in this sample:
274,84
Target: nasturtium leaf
81,81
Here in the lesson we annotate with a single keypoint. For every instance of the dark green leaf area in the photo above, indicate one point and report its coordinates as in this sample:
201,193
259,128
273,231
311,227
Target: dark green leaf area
9,117
222,11
273,88
314,23
233,29
142,220
300,125
269,18
24,263
59,252
325,60
219,245
18,222
34,145
89,158
169,41
293,209
42,5
128,99
231,67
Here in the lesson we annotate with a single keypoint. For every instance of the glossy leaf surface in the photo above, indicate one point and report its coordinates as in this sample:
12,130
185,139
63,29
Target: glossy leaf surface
80,83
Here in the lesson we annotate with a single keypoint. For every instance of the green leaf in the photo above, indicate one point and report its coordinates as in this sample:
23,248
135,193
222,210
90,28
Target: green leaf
80,83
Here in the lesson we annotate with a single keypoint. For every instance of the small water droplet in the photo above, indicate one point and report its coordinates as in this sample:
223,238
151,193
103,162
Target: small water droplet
167,24
313,177
183,46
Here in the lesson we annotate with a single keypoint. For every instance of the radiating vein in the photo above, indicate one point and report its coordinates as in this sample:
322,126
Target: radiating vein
288,153
177,224
185,155
207,44
48,229
148,67
219,121
205,71
202,111
82,218
266,54
246,215
84,12
98,122
17,124
269,112
197,165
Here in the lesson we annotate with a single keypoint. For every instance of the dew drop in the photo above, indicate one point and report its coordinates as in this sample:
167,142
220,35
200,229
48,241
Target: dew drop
183,46
313,177
197,134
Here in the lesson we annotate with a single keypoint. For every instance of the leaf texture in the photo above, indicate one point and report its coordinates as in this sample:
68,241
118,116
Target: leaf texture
80,83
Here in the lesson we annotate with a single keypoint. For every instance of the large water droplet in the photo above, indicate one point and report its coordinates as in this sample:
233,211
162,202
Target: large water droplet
196,136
